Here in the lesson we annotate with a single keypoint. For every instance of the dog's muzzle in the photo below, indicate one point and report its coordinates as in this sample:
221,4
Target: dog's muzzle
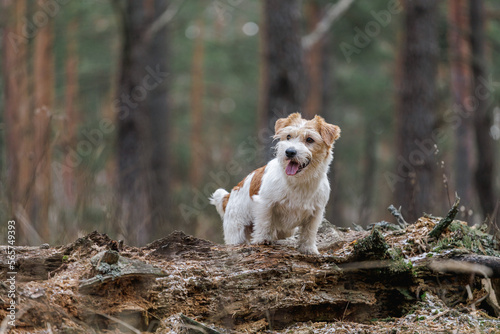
295,167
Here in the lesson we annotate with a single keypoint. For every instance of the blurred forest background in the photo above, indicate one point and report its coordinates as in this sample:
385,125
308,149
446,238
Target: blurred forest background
124,116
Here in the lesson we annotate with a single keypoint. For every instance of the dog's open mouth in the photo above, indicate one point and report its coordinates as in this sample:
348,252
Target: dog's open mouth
294,167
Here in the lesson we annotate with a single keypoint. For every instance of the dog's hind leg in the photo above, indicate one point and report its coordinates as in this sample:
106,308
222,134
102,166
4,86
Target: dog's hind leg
234,230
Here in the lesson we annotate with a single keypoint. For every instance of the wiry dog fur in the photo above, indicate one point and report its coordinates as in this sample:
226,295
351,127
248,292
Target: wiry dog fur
287,194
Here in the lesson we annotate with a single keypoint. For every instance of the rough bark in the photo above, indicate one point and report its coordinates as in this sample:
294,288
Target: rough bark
483,120
284,86
143,187
414,183
461,91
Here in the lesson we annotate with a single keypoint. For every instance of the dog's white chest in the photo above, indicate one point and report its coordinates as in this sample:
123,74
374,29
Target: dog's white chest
297,206
286,217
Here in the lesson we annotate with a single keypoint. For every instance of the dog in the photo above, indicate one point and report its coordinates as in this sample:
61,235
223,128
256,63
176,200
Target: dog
289,193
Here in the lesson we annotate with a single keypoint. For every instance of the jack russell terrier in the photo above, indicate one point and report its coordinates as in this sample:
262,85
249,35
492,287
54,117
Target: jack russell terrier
290,192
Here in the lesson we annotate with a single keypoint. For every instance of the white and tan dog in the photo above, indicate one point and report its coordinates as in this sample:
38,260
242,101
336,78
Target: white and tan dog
290,192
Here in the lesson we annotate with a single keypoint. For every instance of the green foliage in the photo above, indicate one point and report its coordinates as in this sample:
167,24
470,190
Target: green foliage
361,100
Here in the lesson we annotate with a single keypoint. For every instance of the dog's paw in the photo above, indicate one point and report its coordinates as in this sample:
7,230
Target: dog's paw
309,250
258,239
263,242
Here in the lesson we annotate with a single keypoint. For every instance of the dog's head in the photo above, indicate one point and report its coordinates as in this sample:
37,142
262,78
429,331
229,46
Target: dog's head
304,145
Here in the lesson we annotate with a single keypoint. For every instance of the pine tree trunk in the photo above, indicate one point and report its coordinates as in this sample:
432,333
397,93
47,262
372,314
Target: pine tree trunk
143,110
43,67
70,176
71,116
484,174
18,122
197,91
414,183
314,63
461,90
283,85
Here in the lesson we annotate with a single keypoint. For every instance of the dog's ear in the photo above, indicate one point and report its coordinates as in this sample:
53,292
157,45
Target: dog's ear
284,122
329,132
280,124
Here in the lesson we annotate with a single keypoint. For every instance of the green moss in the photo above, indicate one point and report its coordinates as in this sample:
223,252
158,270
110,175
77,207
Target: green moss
467,239
395,253
467,242
399,264
372,247
454,226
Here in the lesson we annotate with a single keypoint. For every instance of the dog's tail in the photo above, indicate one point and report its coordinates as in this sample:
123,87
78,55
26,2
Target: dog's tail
219,199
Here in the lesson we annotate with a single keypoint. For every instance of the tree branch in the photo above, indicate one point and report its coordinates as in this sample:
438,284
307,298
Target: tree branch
164,18
446,221
398,215
333,13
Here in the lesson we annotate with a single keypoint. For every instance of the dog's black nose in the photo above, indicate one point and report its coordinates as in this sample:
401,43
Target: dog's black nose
290,152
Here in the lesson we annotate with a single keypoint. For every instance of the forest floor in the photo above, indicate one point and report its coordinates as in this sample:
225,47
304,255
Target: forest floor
389,279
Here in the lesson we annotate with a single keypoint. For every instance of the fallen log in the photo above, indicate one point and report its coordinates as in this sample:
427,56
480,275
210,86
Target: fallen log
359,277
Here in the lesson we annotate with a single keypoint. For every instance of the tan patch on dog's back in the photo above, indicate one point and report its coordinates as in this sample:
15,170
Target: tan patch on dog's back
225,199
235,188
254,185
240,185
256,181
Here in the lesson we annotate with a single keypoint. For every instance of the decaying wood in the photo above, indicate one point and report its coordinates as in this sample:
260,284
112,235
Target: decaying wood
491,262
195,327
109,266
372,247
446,221
358,277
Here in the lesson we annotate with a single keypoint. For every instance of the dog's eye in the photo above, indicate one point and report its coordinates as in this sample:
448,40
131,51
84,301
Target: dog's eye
310,140
288,137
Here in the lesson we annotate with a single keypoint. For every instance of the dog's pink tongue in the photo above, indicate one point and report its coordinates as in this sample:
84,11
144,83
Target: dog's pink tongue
292,168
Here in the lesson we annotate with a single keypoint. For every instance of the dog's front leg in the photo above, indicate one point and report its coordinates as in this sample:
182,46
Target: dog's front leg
307,238
263,230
